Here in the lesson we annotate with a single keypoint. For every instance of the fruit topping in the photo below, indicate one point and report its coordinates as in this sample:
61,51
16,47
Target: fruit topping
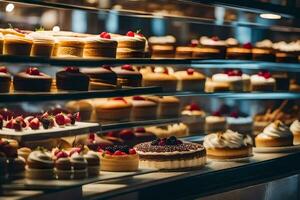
33,71
118,150
47,122
234,114
193,106
166,141
130,34
215,38
17,125
3,70
138,98
1,121
166,71
233,72
127,67
119,153
105,35
247,45
9,124
72,69
217,114
75,150
194,43
60,119
21,121
132,151
265,74
126,134
61,154
72,118
140,130
190,71
34,124
119,99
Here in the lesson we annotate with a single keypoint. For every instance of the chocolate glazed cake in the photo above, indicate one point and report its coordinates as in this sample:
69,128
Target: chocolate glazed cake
72,79
170,153
32,80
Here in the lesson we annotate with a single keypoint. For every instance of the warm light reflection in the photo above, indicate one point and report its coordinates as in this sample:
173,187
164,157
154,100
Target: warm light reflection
10,7
56,28
270,16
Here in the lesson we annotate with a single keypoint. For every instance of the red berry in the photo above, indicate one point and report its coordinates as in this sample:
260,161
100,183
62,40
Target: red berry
166,71
72,69
10,124
77,117
234,114
247,45
194,43
3,70
60,119
56,151
267,75
138,98
92,136
194,106
162,143
61,154
215,38
21,121
33,71
45,115
127,67
141,35
140,130
105,35
217,113
119,153
75,150
17,126
130,34
119,99
132,151
126,134
34,124
190,71
67,120
107,152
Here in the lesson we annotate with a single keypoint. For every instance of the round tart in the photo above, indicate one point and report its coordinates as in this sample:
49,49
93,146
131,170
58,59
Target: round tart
128,76
190,80
39,165
295,129
72,79
262,81
101,78
276,134
119,159
101,46
194,118
32,80
227,145
170,153
5,80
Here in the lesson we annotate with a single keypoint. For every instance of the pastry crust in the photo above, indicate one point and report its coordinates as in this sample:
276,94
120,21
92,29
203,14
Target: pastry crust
228,153
273,142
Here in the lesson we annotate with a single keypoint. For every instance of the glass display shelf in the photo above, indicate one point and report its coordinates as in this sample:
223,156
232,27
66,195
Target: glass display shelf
74,95
196,63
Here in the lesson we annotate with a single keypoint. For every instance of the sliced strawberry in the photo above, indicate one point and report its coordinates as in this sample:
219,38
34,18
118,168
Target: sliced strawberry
61,154
130,34
194,106
34,124
119,153
33,71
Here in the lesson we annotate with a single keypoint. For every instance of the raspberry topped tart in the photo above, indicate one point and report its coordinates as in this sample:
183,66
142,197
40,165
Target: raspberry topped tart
171,153
118,158
228,145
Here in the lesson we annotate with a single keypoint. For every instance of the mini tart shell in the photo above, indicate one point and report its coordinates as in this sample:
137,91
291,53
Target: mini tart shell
119,163
229,153
273,142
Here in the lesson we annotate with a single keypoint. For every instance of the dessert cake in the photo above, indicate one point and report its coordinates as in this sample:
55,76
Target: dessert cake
32,80
128,76
215,123
178,130
194,118
162,46
101,78
215,86
43,44
16,45
214,43
232,77
171,153
102,46
69,47
241,53
295,129
62,165
240,124
93,163
119,159
168,106
227,145
190,80
72,79
143,108
184,52
263,51
262,81
5,80
84,107
276,134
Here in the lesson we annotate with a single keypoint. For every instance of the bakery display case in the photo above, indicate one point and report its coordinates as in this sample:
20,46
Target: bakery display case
149,99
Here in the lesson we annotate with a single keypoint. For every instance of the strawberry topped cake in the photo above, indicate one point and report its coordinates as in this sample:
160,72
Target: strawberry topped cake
236,80
190,80
242,53
119,158
101,46
171,153
262,81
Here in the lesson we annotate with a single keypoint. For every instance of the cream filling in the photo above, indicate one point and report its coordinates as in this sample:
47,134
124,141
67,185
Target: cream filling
295,127
276,131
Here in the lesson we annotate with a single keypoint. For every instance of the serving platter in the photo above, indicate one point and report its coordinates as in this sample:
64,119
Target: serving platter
276,149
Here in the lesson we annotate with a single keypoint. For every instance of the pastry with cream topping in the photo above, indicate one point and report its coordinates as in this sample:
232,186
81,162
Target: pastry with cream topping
276,134
194,117
171,153
227,145
190,80
102,46
119,158
262,81
39,165
295,129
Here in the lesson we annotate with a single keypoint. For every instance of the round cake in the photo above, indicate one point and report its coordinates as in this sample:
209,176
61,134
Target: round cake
227,145
119,159
295,129
276,134
171,153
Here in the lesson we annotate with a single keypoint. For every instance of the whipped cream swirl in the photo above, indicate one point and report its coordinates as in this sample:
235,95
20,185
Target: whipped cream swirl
295,127
275,130
228,139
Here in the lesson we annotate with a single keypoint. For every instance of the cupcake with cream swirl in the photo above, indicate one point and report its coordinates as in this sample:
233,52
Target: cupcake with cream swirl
295,129
228,144
276,134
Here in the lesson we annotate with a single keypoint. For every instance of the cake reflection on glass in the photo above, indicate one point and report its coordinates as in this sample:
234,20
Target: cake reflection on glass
228,145
171,153
276,134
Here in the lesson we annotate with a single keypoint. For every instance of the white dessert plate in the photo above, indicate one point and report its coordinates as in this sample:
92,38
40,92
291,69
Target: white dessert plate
276,149
72,130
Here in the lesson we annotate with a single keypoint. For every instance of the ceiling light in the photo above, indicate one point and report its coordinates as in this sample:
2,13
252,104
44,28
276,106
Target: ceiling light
270,16
9,7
